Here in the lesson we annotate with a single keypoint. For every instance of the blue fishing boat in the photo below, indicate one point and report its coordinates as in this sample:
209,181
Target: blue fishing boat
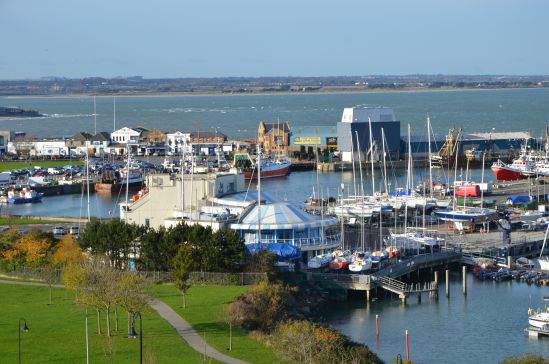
24,196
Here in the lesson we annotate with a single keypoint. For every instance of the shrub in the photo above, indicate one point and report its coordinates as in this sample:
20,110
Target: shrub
262,307
526,359
317,344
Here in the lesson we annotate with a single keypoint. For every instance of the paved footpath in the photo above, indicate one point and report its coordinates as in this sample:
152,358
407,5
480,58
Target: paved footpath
186,331
183,328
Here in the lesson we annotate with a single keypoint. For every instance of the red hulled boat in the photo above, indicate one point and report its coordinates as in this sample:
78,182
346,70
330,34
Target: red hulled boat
269,168
519,169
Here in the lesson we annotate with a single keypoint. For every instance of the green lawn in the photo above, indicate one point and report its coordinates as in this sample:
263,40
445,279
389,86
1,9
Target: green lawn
57,332
23,221
6,166
203,312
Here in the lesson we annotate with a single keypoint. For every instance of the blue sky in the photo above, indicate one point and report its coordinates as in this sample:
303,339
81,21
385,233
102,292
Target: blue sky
209,38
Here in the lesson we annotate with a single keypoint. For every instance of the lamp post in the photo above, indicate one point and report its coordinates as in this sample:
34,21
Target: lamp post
133,334
25,329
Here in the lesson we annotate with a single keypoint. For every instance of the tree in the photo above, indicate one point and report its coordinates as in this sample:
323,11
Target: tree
67,251
32,248
96,286
223,251
131,293
114,239
181,268
50,275
260,262
8,239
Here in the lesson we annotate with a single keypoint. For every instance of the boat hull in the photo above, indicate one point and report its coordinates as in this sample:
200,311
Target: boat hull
274,171
503,173
339,265
539,320
361,267
109,187
22,200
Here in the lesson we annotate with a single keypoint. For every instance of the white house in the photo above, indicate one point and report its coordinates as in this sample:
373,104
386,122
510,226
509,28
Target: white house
178,142
98,144
125,136
51,148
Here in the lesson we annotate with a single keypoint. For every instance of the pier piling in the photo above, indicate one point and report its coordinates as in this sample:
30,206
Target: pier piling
464,279
447,283
407,346
435,283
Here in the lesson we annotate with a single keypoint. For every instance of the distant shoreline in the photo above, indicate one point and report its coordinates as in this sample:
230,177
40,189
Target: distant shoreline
285,93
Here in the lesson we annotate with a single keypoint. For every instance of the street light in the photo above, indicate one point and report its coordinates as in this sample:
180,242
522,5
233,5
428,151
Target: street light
25,329
133,334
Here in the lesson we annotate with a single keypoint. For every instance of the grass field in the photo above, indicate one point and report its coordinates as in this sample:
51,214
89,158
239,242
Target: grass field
6,221
6,166
57,332
203,312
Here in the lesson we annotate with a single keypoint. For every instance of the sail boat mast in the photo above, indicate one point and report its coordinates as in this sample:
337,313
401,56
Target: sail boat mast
372,156
430,159
94,116
258,193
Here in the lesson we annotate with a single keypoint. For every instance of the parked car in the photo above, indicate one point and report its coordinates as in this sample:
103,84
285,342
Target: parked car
74,230
59,230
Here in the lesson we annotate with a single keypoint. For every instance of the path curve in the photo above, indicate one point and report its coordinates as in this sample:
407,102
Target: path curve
183,328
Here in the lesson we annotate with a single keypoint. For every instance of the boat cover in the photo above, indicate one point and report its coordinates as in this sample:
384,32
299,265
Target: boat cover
515,199
283,250
400,193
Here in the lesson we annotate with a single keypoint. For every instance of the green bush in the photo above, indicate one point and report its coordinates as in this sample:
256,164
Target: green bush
317,344
263,306
526,359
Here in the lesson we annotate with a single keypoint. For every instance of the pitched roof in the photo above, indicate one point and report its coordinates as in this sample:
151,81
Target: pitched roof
207,134
283,125
82,136
102,136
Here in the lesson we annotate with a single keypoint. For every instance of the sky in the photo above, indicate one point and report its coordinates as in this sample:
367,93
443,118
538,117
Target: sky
251,38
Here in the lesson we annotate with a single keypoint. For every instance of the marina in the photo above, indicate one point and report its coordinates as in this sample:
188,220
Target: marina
384,231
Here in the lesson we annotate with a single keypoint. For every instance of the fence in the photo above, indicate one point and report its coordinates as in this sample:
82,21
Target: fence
32,273
211,278
196,278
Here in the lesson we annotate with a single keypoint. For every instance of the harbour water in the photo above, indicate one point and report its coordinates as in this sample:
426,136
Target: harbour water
485,327
296,187
238,116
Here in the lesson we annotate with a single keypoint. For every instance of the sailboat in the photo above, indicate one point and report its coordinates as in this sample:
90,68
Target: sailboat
320,261
361,263
463,214
543,260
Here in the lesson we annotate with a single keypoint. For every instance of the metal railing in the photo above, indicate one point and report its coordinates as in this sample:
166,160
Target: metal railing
328,240
342,278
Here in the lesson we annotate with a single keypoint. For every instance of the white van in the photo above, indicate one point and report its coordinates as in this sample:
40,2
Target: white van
6,179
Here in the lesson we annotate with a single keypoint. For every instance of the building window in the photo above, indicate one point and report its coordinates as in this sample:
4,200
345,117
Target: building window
147,222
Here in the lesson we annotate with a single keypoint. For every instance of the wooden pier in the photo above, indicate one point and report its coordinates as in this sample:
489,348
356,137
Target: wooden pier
387,278
537,332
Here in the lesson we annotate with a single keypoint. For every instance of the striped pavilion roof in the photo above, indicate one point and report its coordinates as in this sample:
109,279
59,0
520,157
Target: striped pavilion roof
280,216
